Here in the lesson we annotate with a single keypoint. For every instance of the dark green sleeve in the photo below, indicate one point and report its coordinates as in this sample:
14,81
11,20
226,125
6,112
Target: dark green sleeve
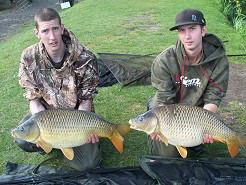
217,89
161,79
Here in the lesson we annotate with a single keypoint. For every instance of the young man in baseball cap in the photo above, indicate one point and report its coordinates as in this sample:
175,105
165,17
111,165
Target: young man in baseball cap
195,71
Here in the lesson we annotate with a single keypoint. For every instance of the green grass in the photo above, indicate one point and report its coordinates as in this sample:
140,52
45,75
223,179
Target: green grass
133,27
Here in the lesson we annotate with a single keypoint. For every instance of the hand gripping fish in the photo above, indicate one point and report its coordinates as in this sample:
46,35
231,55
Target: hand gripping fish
186,126
67,128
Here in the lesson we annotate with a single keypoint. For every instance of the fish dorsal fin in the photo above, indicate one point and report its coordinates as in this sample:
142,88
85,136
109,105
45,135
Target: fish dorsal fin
163,138
214,114
117,141
95,114
76,110
68,152
171,109
44,145
218,116
182,151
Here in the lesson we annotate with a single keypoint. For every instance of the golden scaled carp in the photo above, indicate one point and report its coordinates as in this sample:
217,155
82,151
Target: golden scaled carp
67,128
186,126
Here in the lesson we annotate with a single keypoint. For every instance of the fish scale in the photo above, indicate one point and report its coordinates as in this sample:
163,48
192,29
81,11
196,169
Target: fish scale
79,131
67,128
190,129
186,126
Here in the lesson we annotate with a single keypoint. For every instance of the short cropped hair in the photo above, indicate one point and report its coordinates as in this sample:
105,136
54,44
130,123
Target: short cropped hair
46,14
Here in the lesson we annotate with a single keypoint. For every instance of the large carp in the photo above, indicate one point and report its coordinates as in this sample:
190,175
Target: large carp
186,126
67,128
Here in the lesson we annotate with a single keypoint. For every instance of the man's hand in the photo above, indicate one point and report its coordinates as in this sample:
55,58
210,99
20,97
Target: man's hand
155,137
36,106
207,139
85,105
93,138
213,108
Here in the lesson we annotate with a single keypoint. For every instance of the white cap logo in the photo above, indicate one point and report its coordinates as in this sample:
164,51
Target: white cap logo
193,18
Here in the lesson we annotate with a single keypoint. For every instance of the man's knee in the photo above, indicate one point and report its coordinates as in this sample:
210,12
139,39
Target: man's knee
159,148
92,163
86,157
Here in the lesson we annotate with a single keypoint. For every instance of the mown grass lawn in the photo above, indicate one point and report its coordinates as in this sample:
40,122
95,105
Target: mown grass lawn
132,27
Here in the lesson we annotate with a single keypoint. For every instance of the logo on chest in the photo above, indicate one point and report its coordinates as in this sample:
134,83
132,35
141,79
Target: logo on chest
188,82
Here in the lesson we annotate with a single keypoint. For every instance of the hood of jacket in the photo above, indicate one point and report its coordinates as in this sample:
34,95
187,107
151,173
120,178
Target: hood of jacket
74,47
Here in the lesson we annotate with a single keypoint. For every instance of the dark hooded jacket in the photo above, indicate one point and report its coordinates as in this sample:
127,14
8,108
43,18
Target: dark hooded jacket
178,81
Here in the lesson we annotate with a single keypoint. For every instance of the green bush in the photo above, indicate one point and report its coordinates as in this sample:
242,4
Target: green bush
233,10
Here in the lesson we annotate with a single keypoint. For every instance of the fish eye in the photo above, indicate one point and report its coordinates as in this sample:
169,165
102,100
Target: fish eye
141,118
22,129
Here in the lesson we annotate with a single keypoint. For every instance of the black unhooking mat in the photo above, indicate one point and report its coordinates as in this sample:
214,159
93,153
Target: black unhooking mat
152,171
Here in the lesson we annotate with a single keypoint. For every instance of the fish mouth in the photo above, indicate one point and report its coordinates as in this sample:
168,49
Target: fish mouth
13,134
131,123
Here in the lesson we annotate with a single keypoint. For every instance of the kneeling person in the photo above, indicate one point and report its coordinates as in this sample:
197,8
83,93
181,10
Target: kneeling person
59,72
195,72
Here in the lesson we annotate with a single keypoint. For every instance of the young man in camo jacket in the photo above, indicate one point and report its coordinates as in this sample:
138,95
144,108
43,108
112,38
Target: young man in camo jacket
59,72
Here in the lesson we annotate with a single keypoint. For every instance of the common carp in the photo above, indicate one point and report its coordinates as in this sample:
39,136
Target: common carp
186,126
67,128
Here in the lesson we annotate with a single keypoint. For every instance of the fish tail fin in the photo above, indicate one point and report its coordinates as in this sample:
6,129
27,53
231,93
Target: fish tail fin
117,136
232,144
233,147
241,140
123,129
117,140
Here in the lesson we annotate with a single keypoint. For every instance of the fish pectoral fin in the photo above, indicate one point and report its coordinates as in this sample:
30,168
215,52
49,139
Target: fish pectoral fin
163,138
182,151
68,152
117,141
45,146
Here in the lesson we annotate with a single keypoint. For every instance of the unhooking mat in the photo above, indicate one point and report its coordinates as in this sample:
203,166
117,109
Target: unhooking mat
152,171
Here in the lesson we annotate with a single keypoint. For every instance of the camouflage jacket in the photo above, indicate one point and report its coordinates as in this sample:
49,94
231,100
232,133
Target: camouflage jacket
66,87
202,83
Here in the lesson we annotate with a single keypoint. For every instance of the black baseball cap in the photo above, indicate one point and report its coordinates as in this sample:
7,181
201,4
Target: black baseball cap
189,16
